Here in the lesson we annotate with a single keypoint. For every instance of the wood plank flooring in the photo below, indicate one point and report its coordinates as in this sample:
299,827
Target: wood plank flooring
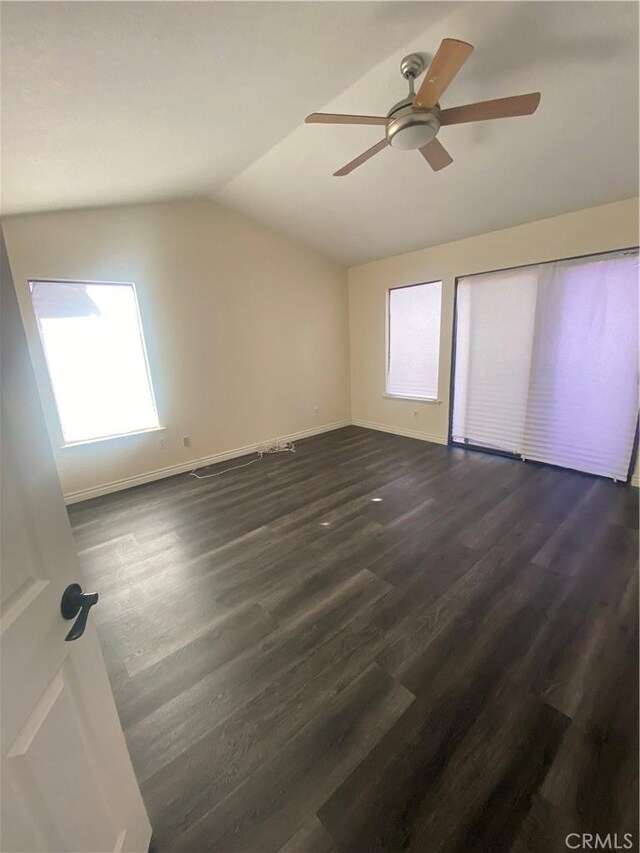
300,668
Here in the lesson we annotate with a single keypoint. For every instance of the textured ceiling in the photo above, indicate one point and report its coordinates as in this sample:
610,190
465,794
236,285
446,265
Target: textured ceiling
109,103
104,103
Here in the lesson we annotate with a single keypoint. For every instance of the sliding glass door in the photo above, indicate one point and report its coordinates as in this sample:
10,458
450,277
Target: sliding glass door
546,362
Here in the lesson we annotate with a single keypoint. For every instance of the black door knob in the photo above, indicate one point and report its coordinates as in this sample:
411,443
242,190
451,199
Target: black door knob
74,602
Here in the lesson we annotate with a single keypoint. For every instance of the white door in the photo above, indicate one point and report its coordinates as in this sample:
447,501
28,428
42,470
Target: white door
67,780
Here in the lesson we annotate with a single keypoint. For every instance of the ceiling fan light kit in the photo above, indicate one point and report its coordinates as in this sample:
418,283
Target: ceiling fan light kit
414,122
409,129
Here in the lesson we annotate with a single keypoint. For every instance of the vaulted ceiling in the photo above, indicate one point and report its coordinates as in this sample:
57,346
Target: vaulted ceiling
108,103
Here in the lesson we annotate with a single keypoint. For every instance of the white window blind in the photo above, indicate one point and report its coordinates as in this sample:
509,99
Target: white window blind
495,316
414,341
547,362
95,353
583,388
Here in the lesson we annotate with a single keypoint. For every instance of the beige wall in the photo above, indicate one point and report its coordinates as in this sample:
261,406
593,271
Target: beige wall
597,229
247,331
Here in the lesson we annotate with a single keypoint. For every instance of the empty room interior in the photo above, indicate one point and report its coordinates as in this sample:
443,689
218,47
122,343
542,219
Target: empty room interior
319,350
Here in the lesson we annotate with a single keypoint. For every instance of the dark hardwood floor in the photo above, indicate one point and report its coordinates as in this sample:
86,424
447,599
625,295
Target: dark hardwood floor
299,667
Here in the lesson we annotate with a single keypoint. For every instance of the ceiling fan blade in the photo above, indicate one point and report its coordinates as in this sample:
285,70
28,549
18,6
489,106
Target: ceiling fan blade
436,155
518,105
362,158
449,59
337,118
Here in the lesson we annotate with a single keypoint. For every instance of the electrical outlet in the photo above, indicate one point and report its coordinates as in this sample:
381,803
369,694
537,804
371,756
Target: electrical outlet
416,413
316,411
162,444
186,441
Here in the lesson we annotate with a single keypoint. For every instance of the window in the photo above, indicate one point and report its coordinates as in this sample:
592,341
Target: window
414,341
94,347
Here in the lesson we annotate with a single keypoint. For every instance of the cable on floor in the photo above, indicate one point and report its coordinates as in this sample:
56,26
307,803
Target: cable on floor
281,447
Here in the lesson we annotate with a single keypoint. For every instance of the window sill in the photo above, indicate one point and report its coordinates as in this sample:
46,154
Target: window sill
102,438
415,399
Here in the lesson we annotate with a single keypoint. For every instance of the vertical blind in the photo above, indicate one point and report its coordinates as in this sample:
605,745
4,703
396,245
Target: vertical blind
414,341
547,362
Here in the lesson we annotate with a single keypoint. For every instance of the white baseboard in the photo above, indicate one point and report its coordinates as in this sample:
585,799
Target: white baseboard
409,433
172,470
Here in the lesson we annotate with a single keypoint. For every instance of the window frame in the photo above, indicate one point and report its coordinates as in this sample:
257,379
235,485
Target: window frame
63,444
437,400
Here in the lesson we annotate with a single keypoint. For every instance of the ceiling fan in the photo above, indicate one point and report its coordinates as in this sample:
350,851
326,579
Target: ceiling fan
414,122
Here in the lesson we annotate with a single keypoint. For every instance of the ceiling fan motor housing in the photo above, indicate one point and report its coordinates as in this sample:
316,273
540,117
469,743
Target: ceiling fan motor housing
410,128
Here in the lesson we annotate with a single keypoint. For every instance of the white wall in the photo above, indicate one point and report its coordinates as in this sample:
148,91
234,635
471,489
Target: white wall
596,229
247,331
